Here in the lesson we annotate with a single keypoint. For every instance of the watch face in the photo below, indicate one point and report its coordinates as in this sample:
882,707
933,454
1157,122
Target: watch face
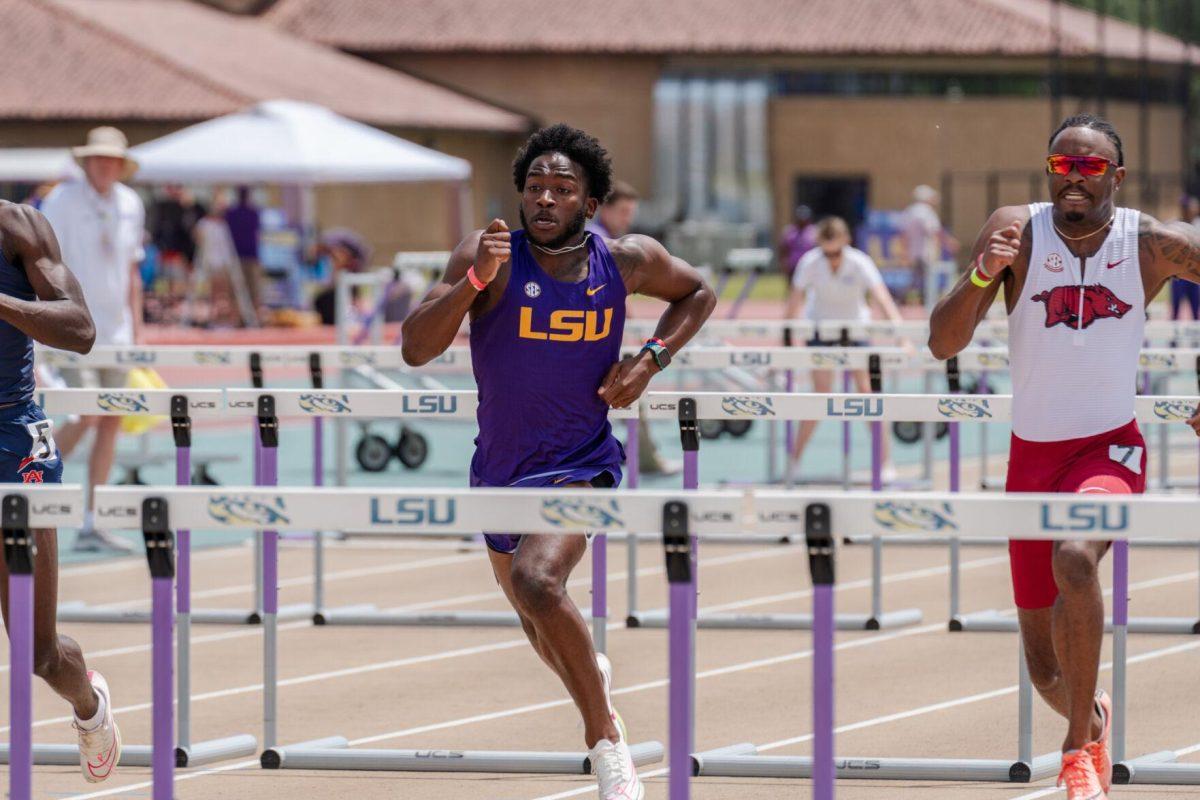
662,357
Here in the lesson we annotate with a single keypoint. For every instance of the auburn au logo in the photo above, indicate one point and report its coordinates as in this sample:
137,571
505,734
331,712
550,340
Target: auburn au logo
567,326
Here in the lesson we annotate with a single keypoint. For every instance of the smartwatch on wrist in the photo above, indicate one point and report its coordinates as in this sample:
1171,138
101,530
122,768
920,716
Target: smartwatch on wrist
658,351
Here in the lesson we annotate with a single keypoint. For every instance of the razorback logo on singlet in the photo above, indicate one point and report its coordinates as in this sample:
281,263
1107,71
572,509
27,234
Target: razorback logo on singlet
1063,306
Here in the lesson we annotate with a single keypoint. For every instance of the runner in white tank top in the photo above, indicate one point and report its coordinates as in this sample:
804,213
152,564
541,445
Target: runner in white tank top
1077,274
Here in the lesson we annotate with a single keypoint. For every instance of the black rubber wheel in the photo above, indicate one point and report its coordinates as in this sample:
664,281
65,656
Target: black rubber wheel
737,428
373,453
907,432
943,430
710,428
412,449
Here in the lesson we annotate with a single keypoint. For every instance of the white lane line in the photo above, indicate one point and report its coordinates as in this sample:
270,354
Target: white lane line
931,708
504,645
306,580
121,563
512,643
759,663
493,594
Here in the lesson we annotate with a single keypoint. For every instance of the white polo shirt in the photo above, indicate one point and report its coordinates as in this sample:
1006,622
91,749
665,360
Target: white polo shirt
840,294
101,238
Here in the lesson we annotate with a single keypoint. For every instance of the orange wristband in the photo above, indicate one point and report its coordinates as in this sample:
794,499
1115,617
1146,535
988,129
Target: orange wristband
473,279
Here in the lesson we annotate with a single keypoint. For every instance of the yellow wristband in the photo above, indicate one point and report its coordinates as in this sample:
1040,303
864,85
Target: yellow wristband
979,280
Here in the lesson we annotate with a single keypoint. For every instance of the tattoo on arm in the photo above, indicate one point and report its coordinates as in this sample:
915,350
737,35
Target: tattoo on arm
1173,247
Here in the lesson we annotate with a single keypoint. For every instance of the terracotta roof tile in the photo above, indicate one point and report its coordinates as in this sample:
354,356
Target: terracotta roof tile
257,60
57,68
175,60
810,27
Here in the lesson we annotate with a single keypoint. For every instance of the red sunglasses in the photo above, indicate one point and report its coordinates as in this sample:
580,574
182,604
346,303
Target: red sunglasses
1088,166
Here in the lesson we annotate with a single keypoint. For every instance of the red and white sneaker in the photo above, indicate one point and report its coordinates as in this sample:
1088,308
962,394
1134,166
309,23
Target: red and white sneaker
1079,777
615,772
1099,750
606,673
99,748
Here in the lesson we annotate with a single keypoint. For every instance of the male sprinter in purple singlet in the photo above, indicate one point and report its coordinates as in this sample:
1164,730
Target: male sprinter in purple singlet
41,300
547,307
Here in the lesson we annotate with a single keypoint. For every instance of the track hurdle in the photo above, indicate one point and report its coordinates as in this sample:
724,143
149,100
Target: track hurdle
22,511
819,516
688,408
383,512
180,409
382,404
1032,516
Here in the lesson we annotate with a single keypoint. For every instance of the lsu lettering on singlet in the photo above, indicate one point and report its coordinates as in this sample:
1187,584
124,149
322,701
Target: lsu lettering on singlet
16,349
539,357
1075,333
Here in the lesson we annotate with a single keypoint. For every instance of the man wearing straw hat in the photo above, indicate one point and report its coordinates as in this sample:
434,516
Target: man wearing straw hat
41,300
99,222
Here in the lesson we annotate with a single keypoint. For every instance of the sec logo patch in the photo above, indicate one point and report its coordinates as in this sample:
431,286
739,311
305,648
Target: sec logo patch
532,289
1054,263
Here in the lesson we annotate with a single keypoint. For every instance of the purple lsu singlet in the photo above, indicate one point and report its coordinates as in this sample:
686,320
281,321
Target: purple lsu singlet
539,357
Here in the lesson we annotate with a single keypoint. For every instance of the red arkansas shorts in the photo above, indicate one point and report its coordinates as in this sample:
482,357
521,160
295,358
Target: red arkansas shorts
1064,467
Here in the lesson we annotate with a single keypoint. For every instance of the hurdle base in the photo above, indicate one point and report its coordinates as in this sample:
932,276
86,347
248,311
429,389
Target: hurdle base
273,757
82,612
994,621
67,755
484,761
713,763
200,753
1145,769
372,615
789,622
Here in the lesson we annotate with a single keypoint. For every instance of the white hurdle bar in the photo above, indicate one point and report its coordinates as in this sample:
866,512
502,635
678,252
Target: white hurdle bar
952,408
437,511
203,403
457,358
681,516
179,407
386,403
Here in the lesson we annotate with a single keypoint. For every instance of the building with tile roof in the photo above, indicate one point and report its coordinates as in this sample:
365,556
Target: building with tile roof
154,67
740,110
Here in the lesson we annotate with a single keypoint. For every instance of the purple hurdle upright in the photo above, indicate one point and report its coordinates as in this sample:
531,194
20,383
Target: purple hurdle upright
181,429
818,533
681,578
1120,641
160,553
317,378
689,434
19,551
268,436
632,456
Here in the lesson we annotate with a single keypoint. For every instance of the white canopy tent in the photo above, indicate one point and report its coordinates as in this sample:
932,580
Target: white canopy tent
299,146
291,143
37,164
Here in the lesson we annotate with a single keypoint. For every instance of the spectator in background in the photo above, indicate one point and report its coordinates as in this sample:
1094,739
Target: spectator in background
100,223
1182,290
347,252
613,220
172,218
924,236
797,239
615,217
245,222
834,281
217,268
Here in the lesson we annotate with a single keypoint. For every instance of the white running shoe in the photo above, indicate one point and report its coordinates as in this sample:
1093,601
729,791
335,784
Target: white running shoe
100,748
615,772
606,673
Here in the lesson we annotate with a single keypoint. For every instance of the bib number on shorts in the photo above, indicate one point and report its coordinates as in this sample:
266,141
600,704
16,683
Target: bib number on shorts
42,434
1128,456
